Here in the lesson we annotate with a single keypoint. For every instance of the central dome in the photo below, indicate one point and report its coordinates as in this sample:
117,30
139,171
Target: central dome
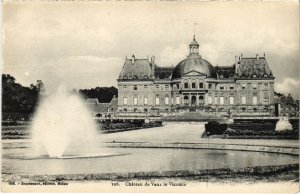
193,63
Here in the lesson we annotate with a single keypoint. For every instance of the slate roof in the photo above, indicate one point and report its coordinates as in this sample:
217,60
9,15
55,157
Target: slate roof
113,102
92,101
139,69
250,67
163,72
225,71
98,108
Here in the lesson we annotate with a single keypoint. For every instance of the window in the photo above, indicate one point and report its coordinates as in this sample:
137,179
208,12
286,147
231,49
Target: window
157,87
167,87
221,100
177,85
216,99
266,85
135,101
221,87
193,85
166,100
135,87
186,100
125,87
254,100
200,85
231,100
243,99
254,86
254,109
177,100
243,86
266,100
201,100
209,86
231,87
145,87
157,101
209,100
145,100
125,101
186,85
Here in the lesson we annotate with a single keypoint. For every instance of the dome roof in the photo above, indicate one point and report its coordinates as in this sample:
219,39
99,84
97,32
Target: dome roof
193,63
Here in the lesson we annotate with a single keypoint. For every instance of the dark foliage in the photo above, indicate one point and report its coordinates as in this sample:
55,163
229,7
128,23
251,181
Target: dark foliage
104,94
215,128
293,134
17,98
254,126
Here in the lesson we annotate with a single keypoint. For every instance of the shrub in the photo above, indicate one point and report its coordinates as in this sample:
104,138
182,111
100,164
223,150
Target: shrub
215,128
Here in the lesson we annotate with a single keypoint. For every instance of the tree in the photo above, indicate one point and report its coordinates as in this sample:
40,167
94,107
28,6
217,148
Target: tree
103,94
17,98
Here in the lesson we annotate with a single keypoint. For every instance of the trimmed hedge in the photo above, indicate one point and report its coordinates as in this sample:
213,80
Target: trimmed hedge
215,128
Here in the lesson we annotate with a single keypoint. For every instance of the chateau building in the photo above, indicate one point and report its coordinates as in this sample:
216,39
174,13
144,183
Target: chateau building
194,84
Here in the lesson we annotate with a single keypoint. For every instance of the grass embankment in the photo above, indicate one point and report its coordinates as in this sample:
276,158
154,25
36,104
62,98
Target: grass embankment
250,174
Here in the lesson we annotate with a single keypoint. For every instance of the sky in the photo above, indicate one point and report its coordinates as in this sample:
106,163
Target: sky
84,44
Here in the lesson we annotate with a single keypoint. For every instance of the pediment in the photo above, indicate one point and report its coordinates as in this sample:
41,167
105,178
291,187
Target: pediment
193,73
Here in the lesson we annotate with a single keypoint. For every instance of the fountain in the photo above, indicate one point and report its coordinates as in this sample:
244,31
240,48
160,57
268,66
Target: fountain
63,127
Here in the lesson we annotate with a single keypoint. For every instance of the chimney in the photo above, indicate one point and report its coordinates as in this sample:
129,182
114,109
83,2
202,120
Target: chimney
236,64
236,59
241,55
257,56
153,60
264,55
132,59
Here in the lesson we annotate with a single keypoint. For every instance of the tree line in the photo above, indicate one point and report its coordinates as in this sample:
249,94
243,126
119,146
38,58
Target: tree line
21,99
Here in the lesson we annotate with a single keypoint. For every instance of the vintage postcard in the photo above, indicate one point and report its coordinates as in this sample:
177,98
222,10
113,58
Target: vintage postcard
150,96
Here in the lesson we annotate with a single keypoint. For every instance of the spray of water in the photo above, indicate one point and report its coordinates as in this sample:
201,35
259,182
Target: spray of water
63,126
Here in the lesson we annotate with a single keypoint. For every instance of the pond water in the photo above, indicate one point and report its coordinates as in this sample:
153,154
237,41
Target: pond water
15,160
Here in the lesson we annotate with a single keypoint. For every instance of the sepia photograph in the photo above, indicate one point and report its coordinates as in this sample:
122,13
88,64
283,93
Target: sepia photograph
150,96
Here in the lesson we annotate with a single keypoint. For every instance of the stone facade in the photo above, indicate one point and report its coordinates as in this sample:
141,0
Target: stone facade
246,87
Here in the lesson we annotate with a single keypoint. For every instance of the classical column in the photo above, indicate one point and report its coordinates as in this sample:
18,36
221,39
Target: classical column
190,99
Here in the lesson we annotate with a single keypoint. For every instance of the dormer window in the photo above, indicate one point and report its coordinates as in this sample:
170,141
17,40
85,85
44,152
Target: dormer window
254,86
243,86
